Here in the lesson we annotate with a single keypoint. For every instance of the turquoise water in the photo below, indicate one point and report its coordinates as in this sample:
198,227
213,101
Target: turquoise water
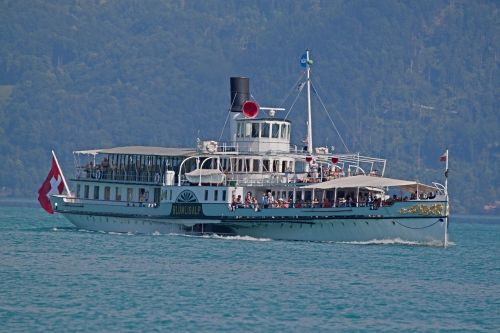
56,278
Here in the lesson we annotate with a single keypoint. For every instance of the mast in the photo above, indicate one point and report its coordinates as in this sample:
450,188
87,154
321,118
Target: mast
62,176
309,120
446,174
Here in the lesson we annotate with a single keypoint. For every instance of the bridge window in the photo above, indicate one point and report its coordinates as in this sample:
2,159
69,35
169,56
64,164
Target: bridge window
238,130
224,164
265,130
255,130
276,130
283,131
248,129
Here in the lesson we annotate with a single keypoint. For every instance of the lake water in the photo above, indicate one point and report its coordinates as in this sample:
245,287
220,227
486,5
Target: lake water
56,278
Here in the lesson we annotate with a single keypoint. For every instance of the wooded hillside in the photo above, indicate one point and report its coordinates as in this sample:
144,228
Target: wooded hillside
402,80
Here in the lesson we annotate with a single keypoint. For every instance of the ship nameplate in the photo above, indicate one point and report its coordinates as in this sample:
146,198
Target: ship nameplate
186,205
186,210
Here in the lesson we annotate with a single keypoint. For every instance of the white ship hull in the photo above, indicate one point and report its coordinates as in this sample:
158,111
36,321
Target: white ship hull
126,225
321,224
423,231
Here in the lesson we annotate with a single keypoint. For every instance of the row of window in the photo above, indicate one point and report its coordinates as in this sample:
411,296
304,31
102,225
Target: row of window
167,195
151,162
257,165
141,194
215,195
263,130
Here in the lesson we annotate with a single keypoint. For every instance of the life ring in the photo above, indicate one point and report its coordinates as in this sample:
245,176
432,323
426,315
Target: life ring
157,177
98,174
211,147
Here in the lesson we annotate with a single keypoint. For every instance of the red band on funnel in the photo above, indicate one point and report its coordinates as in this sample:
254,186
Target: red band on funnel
250,109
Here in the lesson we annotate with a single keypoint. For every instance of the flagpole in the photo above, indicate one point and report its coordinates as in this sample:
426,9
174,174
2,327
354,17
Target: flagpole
447,201
446,173
309,120
62,175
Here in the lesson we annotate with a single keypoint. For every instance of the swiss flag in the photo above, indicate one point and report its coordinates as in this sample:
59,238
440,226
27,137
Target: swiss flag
444,156
54,183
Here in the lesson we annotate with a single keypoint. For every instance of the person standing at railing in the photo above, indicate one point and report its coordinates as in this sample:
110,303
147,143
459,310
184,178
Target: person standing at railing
248,200
105,168
88,169
265,200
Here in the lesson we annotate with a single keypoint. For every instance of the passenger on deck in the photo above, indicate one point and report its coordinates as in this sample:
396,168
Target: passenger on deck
248,200
325,203
105,167
315,203
255,203
233,203
88,169
271,201
265,200
239,203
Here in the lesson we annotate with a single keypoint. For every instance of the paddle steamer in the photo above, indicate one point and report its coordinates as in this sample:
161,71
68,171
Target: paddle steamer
257,184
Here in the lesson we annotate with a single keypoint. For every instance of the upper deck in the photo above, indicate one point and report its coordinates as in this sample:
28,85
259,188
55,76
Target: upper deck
138,164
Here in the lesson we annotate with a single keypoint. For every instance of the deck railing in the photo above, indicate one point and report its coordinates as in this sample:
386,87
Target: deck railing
111,174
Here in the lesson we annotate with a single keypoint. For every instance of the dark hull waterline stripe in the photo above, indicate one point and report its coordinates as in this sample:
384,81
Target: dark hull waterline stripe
257,219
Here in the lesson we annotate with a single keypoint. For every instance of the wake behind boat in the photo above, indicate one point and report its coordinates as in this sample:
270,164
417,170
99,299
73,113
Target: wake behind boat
257,184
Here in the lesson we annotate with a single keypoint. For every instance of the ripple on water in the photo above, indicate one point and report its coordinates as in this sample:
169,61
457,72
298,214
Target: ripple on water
54,276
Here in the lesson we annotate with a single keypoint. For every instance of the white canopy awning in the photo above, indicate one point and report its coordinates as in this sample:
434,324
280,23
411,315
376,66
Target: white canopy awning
363,181
140,150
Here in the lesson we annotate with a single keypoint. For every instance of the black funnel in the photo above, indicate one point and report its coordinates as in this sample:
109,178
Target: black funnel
240,92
